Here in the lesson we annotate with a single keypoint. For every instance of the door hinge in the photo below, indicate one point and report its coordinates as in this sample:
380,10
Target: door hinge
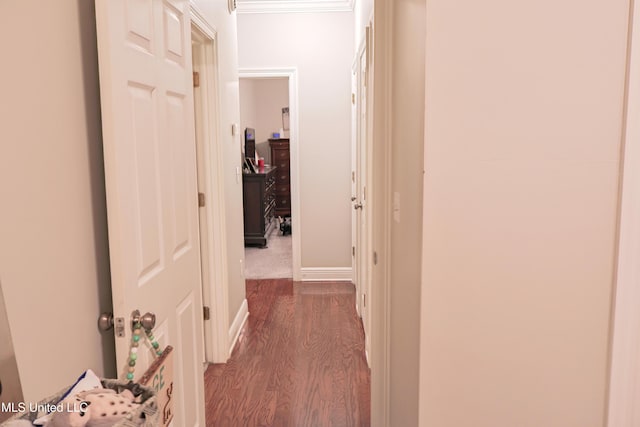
201,199
375,258
353,176
196,79
206,313
353,250
353,98
364,300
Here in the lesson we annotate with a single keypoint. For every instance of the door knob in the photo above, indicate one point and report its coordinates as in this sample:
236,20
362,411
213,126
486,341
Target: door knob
147,320
105,321
357,206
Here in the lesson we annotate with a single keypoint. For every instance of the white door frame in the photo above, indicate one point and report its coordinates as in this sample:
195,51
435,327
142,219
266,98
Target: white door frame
292,74
624,387
382,133
214,259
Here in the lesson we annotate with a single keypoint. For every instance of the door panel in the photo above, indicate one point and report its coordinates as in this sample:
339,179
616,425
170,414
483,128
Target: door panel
139,24
145,193
150,175
190,375
181,189
174,33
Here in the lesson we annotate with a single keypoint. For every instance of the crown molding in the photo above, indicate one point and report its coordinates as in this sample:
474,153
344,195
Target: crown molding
294,6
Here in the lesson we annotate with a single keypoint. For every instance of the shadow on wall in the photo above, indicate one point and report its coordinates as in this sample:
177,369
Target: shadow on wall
87,14
10,388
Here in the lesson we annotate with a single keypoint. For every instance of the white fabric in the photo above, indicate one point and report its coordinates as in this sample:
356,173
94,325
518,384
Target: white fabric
87,381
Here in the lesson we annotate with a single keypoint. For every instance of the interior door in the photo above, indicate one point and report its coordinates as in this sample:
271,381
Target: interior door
354,187
144,49
361,182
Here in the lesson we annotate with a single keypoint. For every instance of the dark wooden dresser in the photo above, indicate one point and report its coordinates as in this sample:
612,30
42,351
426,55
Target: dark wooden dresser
281,159
259,198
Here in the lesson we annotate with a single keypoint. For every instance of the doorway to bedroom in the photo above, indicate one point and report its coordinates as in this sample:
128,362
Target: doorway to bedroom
266,184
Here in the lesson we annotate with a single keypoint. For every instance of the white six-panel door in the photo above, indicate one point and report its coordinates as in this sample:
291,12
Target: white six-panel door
360,152
144,49
354,186
363,234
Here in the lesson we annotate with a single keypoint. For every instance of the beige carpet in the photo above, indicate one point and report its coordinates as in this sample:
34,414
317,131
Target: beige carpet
272,262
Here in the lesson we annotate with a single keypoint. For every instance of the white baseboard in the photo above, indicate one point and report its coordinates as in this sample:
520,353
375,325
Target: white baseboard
327,274
238,322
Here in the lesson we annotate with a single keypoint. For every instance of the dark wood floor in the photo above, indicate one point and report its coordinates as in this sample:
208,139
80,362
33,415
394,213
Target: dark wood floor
299,360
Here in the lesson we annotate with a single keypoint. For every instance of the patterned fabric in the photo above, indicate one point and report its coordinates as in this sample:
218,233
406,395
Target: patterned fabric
146,415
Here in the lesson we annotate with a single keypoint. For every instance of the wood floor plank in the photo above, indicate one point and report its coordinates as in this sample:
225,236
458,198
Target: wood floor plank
299,360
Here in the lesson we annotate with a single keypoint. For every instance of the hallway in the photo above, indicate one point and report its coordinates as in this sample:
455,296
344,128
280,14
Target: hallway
299,360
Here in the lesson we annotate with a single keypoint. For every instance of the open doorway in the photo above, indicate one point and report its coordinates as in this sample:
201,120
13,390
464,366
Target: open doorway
270,232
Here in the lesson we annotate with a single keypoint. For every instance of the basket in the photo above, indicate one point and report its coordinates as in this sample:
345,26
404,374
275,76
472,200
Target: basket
145,415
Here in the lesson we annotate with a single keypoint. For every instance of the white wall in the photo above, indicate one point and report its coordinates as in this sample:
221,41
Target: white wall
261,103
248,107
54,264
323,59
218,16
523,130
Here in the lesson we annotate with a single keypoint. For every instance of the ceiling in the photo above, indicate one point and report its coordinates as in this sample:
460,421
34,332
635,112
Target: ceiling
291,6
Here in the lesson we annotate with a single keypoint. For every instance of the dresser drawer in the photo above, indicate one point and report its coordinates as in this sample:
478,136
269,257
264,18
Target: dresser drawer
283,180
280,155
283,190
283,165
283,201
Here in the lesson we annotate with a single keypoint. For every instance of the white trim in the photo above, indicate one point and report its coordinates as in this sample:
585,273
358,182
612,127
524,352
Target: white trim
198,19
327,274
294,6
382,155
238,323
624,387
294,151
215,293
